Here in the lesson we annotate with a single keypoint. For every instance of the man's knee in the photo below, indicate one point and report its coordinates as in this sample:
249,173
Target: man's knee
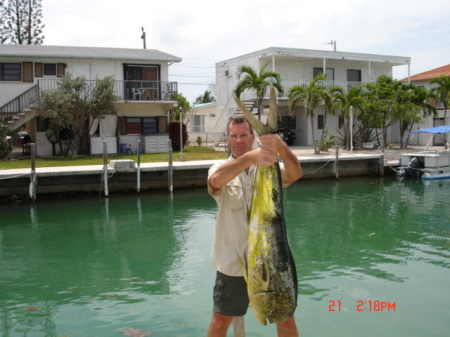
287,327
220,322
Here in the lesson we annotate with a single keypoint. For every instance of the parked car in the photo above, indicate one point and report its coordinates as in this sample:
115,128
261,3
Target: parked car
287,136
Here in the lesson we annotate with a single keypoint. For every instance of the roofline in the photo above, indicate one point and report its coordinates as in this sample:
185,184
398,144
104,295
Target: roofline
337,55
39,53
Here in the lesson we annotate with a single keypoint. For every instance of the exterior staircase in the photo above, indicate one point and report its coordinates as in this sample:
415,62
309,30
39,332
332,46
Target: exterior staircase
220,127
19,110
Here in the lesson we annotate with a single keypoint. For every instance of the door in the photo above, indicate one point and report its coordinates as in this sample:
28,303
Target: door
82,70
142,77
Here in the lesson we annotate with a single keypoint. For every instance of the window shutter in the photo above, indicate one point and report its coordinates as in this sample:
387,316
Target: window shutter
38,70
122,125
27,71
60,69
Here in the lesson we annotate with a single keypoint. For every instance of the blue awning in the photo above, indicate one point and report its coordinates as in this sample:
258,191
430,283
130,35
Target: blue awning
436,129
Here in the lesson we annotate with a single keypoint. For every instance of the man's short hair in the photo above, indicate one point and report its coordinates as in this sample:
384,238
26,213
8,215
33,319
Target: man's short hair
239,119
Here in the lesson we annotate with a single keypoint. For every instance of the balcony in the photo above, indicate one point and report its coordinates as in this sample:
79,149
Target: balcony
150,91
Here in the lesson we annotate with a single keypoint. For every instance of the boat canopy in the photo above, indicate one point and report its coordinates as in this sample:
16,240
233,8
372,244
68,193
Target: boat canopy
436,129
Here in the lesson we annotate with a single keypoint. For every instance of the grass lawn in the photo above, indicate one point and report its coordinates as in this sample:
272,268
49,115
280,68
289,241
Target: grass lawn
191,153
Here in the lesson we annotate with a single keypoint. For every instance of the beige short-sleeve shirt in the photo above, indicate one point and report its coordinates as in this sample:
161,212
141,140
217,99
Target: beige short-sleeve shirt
231,232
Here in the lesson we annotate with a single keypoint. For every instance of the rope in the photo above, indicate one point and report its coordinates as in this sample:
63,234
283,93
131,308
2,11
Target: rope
18,176
318,168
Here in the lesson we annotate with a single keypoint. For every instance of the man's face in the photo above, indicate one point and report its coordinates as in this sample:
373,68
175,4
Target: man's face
240,139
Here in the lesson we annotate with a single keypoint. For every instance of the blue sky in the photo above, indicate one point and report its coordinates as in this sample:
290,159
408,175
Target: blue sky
204,32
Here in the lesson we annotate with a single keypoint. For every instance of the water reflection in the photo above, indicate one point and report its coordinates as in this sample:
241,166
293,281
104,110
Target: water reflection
360,230
143,261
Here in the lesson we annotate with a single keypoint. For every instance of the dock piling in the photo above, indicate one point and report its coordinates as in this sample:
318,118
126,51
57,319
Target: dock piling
105,167
170,166
33,178
138,166
336,163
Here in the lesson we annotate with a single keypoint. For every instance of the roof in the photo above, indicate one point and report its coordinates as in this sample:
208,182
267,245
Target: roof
430,74
295,53
42,51
202,105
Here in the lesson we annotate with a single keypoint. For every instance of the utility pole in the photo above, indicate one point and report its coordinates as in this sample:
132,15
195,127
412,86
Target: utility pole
143,38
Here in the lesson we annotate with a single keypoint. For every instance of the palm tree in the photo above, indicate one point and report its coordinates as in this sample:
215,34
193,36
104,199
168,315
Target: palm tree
441,91
205,98
331,99
311,97
350,102
421,103
257,82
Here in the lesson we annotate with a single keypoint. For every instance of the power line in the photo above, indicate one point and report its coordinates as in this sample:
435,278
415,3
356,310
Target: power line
175,75
189,66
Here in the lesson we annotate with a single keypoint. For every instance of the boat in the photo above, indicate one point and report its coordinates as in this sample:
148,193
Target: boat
427,165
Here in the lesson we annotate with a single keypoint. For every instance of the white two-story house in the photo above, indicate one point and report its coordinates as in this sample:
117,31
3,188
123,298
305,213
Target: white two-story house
299,67
141,85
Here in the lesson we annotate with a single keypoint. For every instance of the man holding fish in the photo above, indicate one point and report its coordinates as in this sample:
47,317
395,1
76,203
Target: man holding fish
231,184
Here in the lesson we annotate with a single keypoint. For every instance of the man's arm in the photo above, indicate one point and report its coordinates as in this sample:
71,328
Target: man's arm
228,171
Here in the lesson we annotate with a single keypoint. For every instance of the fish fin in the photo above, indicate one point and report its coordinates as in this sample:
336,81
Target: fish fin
261,317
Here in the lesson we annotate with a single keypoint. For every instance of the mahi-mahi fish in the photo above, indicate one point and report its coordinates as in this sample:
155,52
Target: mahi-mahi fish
269,267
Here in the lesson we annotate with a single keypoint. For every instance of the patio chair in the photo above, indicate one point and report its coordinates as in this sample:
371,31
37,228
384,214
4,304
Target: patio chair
136,92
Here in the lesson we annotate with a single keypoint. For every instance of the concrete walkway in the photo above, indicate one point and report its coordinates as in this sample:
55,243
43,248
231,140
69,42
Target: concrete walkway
304,153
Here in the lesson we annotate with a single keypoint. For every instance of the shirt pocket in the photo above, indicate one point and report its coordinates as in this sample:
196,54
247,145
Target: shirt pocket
234,195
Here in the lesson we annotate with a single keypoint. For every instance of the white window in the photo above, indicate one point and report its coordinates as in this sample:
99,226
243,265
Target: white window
199,123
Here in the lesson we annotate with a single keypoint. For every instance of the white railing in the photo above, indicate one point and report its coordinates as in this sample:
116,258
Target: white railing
128,90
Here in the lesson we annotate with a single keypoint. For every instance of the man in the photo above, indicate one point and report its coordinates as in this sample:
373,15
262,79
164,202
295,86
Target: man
231,184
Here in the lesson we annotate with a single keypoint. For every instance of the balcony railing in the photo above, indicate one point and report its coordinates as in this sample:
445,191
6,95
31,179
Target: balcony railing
288,84
346,85
128,90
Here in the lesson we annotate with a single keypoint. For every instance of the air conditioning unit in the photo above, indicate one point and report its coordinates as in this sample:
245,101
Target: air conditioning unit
212,115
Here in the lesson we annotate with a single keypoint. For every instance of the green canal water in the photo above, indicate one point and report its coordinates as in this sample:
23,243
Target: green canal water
97,267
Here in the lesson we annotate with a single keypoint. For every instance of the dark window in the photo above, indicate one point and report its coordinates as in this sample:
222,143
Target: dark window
353,75
142,126
328,71
341,121
320,122
43,124
49,69
10,72
287,122
150,125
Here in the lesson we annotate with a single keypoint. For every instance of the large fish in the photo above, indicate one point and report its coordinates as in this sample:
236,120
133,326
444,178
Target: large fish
269,268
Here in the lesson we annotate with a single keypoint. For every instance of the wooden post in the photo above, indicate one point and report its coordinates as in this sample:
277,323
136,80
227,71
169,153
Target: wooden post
138,166
336,163
382,162
238,326
170,167
105,167
33,172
